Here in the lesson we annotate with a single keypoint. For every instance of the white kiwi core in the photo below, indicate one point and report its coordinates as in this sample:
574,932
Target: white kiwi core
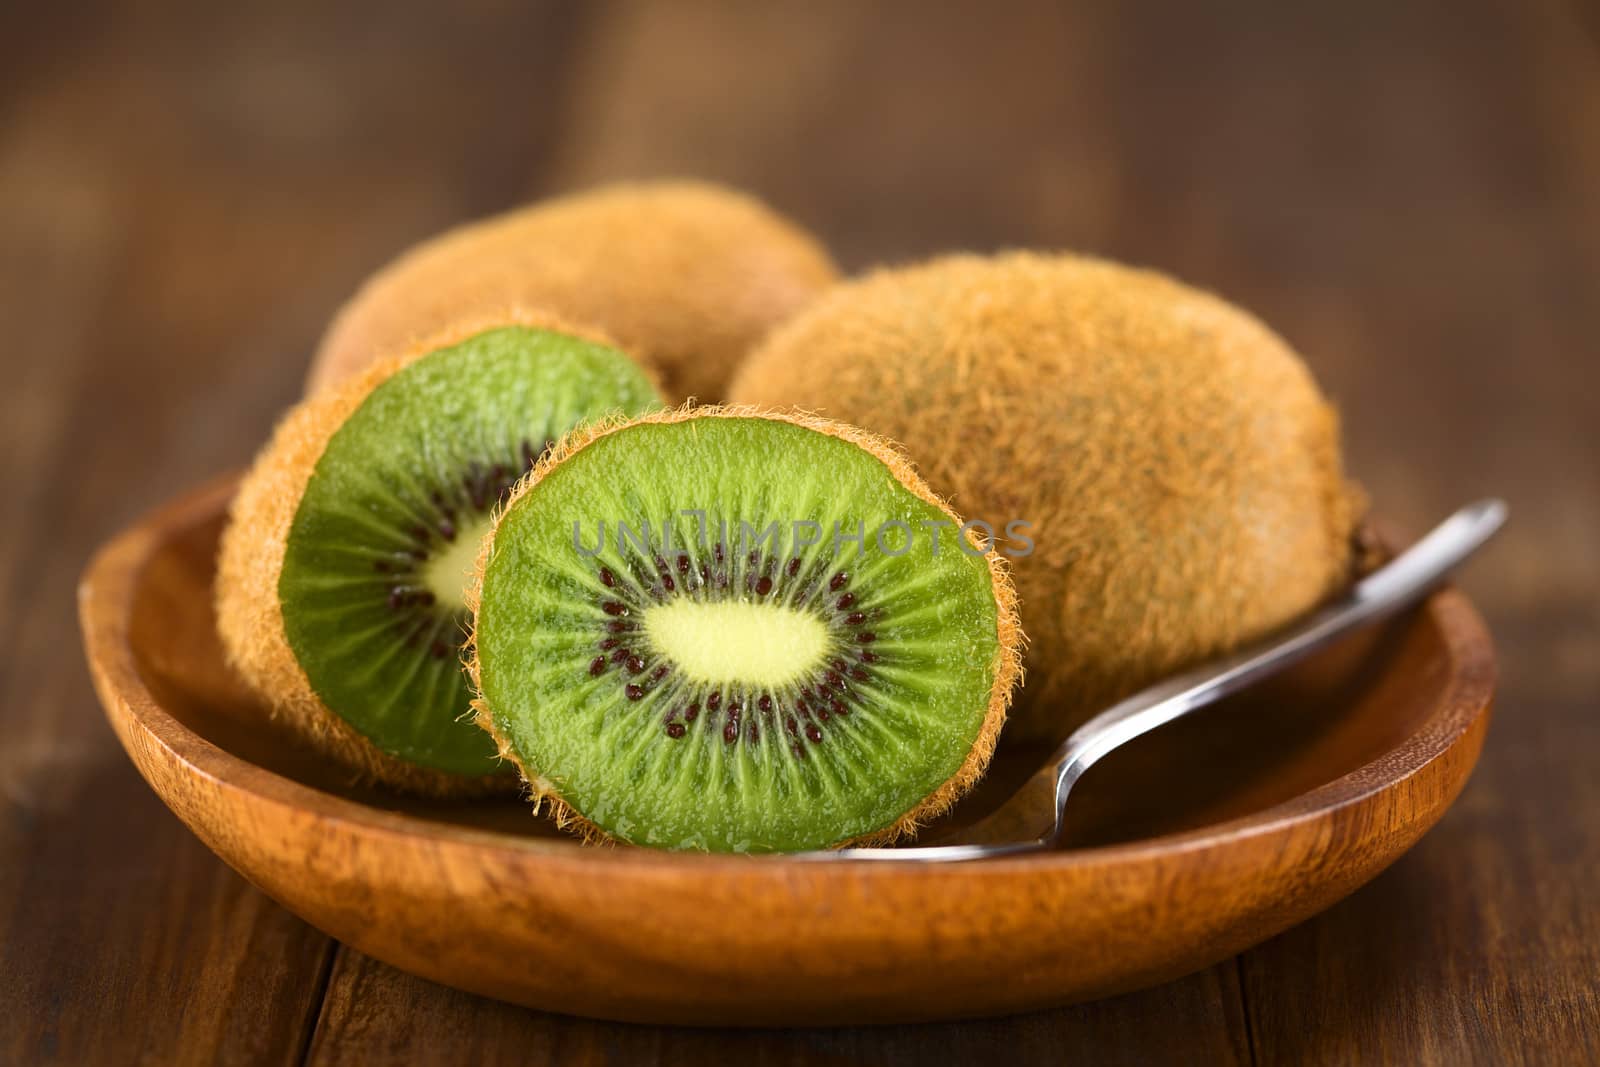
738,641
447,573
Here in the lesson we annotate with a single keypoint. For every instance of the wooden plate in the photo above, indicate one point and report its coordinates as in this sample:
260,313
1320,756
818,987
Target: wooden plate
1204,838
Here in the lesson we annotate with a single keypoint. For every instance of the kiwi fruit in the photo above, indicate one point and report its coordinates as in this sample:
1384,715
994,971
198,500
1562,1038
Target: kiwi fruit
687,276
728,630
1177,468
350,542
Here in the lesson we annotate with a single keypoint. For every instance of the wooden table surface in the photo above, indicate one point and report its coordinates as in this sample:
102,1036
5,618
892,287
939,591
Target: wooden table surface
1407,191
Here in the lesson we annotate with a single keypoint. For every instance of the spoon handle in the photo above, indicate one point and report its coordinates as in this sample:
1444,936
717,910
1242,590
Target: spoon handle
1398,583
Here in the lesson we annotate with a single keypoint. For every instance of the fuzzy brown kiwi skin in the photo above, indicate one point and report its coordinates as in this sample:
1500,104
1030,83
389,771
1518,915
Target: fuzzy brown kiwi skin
1006,667
1180,468
250,563
687,276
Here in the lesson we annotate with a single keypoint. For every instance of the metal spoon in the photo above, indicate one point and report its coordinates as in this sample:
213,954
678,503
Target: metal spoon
1397,584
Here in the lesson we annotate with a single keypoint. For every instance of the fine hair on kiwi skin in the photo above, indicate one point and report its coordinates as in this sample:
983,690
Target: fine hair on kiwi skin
257,552
1178,465
745,716
687,276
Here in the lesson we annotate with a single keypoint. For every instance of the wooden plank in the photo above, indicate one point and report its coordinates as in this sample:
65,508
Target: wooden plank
121,935
1407,194
1405,191
185,196
375,1013
734,93
1481,946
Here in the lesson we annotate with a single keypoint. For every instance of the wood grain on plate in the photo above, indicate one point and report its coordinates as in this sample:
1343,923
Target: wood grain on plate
479,897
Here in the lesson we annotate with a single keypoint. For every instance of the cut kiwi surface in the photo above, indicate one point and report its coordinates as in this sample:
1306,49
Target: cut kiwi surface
367,569
733,631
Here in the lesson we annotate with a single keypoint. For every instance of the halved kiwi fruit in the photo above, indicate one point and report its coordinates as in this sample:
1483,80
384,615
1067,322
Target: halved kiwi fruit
687,276
1173,468
779,640
340,580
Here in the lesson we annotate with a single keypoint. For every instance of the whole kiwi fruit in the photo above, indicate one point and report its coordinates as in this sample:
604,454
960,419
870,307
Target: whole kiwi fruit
1178,469
687,276
724,629
343,567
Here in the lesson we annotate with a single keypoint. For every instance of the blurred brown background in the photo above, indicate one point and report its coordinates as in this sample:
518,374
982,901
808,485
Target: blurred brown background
1407,191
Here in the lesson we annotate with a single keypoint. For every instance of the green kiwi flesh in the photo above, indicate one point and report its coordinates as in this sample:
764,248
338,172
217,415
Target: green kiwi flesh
684,682
385,537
